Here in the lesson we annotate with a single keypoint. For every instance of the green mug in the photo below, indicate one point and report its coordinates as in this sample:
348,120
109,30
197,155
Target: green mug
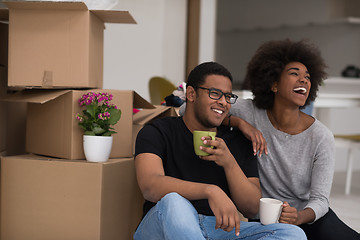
197,135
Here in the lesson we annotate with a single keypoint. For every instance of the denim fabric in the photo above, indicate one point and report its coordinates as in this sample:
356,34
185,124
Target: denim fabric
175,218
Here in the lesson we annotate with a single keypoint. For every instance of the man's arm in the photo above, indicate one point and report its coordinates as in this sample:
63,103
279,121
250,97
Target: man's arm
154,185
245,192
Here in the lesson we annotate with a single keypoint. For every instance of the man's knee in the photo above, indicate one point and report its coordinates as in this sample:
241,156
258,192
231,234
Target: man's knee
172,199
176,211
173,205
172,196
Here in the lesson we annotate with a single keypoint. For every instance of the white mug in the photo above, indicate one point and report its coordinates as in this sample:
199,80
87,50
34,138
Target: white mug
270,210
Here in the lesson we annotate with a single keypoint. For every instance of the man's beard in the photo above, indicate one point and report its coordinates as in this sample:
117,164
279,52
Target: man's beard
205,121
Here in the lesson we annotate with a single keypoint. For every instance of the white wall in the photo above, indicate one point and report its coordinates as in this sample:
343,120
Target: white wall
155,46
207,36
243,26
338,43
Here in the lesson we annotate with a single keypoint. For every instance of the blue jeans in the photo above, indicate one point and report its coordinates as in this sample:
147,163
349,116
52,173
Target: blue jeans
174,217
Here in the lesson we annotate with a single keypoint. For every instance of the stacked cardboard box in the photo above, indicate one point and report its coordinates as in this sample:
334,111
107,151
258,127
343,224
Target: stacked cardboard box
12,115
52,128
55,51
48,198
3,82
58,44
2,109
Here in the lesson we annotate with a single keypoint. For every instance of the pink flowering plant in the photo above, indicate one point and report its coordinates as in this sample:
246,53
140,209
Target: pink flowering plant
99,115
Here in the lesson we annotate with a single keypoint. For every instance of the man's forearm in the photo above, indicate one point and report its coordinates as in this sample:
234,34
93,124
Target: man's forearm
159,186
247,204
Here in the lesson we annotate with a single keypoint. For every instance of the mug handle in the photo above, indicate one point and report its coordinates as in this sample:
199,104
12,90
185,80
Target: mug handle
277,221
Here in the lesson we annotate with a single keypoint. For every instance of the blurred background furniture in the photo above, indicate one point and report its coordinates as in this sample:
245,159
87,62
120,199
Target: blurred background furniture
337,106
159,88
352,144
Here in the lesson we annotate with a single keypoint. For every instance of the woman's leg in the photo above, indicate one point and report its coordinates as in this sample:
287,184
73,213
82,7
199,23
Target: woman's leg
173,217
329,227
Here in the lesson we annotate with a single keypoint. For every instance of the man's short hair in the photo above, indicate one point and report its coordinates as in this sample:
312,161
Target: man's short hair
197,76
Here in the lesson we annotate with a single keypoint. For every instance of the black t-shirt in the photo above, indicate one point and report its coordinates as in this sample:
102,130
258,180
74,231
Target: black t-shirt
172,141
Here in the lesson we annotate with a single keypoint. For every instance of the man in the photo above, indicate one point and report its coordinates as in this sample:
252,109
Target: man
191,197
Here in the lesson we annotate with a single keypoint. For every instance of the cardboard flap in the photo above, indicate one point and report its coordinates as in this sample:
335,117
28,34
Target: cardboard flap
110,16
46,5
146,115
35,96
4,14
140,102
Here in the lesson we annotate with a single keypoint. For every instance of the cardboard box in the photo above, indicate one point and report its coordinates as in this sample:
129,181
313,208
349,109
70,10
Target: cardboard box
54,199
4,36
16,128
57,44
3,109
146,115
4,29
1,154
12,121
52,128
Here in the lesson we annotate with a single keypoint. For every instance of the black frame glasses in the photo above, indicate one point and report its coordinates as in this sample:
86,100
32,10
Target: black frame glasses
216,94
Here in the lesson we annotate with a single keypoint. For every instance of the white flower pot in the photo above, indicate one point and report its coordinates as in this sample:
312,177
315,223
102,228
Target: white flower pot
97,148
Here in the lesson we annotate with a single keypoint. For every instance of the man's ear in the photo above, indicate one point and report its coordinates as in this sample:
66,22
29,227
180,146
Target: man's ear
190,94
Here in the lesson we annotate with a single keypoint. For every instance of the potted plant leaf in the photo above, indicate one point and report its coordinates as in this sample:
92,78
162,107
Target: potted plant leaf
97,120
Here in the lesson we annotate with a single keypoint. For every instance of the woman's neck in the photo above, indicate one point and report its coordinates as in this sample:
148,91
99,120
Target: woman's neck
286,120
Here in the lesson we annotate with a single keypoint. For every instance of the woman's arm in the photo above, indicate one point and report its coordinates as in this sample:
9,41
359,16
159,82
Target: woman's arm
250,132
291,216
321,181
322,174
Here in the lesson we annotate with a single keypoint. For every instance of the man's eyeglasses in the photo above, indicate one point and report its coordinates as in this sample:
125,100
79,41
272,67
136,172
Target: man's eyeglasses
216,94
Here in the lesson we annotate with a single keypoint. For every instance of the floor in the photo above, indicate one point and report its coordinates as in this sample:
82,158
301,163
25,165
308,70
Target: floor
347,207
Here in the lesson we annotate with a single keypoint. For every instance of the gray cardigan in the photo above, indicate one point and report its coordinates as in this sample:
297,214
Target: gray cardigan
299,168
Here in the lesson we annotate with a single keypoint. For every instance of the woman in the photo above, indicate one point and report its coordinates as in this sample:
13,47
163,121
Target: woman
298,166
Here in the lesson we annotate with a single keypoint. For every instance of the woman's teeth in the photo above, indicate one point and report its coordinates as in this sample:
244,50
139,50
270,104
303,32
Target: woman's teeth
300,90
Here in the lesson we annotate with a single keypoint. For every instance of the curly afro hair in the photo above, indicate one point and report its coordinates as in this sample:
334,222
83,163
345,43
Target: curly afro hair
265,68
